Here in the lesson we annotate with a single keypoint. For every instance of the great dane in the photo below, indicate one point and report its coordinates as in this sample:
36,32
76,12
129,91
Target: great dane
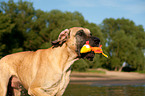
46,72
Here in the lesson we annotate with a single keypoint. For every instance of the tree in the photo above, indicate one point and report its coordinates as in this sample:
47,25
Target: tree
125,42
23,28
18,16
5,28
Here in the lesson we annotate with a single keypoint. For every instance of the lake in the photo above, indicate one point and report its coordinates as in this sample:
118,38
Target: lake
113,84
98,90
102,90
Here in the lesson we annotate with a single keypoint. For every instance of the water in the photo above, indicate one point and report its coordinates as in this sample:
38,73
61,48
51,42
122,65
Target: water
101,90
90,90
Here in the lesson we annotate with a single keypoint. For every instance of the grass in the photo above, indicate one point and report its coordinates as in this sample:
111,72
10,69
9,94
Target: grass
96,71
92,71
143,72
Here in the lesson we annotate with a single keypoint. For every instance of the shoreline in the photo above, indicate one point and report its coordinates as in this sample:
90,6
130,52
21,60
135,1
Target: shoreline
108,79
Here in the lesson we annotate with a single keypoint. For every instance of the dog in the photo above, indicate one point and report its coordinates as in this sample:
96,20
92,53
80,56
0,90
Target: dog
46,72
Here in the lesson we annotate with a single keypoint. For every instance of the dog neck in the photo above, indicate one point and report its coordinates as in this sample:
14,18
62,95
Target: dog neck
66,57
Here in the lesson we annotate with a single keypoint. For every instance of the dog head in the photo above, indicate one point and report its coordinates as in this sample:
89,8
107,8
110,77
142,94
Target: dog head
75,38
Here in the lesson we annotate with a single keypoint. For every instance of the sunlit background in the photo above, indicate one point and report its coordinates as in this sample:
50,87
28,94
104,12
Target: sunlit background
29,25
97,10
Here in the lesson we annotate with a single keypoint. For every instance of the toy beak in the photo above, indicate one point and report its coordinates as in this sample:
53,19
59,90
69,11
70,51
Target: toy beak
97,49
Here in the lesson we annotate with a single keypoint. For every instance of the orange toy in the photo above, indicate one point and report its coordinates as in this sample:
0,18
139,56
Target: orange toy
87,48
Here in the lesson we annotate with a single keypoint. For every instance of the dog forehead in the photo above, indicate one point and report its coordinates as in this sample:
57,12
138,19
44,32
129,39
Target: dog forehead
74,30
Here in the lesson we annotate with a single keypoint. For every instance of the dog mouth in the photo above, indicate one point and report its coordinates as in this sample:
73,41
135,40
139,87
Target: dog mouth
89,55
81,40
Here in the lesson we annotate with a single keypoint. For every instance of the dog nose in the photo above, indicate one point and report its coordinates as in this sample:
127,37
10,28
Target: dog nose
96,41
93,41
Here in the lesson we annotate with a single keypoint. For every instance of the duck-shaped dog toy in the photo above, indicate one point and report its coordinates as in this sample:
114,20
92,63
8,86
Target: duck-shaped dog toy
87,48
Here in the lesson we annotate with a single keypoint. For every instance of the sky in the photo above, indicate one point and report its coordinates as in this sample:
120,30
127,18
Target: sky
95,11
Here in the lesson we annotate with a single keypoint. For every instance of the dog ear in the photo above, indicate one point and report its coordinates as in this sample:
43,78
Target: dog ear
63,36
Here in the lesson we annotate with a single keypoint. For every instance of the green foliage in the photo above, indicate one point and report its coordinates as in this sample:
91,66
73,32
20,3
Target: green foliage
80,65
125,41
96,71
23,28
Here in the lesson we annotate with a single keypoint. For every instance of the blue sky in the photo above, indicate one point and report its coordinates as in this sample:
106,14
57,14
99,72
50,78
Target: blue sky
97,10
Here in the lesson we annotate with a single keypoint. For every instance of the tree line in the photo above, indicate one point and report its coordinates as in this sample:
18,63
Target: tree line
23,28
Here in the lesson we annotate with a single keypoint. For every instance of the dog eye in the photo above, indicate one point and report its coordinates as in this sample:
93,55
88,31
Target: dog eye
90,34
80,32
